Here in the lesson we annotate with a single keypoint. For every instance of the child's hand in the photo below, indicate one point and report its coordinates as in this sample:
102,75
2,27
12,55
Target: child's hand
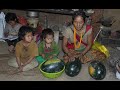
51,57
20,68
6,34
43,55
24,65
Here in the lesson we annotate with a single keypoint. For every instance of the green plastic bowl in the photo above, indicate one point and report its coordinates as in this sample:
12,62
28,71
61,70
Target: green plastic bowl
50,75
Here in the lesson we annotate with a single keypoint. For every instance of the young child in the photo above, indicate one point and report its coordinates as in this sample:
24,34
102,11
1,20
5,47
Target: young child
11,29
26,50
48,49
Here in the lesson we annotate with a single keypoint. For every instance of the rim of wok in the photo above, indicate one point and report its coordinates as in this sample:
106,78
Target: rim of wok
50,73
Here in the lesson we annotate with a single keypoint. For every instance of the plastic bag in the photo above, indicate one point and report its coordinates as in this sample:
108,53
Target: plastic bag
101,48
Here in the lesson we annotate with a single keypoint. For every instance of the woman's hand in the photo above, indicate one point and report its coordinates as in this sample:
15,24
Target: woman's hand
71,56
74,55
81,56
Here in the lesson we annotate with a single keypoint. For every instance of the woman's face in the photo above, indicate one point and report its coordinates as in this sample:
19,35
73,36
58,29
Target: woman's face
78,23
28,37
49,39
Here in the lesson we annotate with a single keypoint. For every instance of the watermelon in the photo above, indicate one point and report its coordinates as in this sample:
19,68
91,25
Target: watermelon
73,68
97,70
52,66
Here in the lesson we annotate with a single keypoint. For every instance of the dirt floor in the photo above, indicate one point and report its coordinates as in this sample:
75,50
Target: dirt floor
36,75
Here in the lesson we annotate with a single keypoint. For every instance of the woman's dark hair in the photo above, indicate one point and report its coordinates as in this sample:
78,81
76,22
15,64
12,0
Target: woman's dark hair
11,17
46,32
23,31
78,13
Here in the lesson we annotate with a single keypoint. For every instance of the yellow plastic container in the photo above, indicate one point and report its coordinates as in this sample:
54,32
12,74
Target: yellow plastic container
51,75
101,48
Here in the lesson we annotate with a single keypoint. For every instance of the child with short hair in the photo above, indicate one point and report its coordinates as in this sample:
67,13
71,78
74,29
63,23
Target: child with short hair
11,29
26,50
48,49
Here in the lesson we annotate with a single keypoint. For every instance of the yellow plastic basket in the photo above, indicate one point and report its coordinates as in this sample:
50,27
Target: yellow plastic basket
51,75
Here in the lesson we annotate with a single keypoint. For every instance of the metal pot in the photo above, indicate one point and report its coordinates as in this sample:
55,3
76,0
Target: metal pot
32,14
106,32
89,12
33,22
107,21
